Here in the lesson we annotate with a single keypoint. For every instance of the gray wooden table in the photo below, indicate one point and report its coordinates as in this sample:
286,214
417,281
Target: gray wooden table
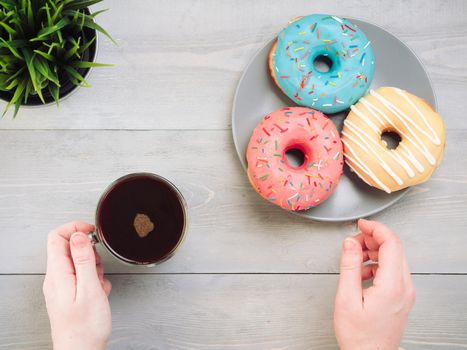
249,275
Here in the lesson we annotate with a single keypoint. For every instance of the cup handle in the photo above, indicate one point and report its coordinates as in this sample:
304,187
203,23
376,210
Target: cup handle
93,238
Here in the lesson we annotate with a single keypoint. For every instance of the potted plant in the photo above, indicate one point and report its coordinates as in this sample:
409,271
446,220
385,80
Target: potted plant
47,47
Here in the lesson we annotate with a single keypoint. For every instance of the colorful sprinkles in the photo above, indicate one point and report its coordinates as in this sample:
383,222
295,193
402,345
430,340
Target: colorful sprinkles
337,39
268,166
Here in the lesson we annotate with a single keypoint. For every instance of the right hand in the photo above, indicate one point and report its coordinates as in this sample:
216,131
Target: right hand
373,318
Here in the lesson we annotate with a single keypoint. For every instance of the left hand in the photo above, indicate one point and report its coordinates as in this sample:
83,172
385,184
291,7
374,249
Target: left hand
75,290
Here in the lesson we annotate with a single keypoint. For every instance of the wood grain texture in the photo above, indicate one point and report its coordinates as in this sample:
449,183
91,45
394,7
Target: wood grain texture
178,63
51,177
166,107
204,312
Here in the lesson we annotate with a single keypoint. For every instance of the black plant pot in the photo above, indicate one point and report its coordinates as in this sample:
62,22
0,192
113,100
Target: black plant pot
66,86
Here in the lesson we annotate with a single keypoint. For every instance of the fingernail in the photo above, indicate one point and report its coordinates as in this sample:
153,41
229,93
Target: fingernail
79,240
349,243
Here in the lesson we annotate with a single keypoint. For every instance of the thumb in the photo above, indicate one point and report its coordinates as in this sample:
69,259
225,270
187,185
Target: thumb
350,280
82,253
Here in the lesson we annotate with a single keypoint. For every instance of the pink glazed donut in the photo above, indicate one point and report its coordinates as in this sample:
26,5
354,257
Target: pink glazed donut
271,175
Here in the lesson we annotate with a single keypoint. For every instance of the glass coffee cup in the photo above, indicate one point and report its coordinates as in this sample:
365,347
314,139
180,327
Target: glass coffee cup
141,219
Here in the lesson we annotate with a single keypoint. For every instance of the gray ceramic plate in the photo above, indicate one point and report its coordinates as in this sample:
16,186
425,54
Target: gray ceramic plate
257,95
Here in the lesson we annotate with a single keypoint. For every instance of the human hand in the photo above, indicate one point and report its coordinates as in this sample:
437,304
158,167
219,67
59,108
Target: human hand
75,290
373,318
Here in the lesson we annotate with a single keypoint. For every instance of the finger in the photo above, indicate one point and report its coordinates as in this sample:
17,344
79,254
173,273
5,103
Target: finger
361,239
370,242
67,230
406,275
369,271
409,286
350,280
379,232
366,256
390,253
107,286
58,249
97,256
59,263
406,272
100,272
373,255
87,279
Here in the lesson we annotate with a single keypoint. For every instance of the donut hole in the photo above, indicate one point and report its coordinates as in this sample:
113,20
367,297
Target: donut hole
322,63
391,139
295,157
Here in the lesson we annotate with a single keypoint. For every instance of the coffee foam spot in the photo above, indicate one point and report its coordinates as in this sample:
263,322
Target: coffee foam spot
143,225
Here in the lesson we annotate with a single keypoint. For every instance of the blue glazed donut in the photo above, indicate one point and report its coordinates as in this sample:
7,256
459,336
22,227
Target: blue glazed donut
327,38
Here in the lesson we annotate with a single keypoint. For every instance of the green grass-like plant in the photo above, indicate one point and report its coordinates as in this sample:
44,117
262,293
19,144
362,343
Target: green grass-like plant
42,45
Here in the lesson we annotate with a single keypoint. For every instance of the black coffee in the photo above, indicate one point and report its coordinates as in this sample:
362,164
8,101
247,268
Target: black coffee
142,219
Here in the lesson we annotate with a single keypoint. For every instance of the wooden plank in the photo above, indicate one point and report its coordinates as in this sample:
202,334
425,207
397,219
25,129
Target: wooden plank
199,312
50,177
177,66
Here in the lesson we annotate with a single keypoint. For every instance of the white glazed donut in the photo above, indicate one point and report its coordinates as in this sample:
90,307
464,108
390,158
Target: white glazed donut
419,152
